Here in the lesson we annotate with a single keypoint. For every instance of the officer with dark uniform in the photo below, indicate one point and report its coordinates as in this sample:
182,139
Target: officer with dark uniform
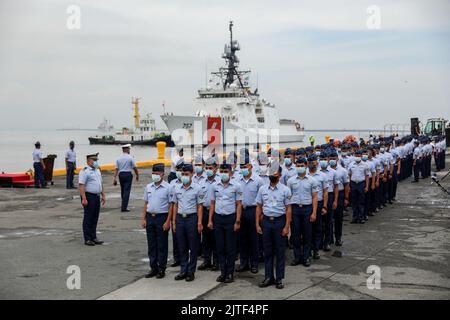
124,165
187,221
225,219
273,219
92,195
156,221
304,189
250,184
177,181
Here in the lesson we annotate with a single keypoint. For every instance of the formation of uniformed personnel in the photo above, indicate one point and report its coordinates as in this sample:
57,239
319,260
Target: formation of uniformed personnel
125,164
156,220
92,196
71,159
39,167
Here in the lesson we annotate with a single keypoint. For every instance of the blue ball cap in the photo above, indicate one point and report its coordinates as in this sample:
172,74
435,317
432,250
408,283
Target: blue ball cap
301,160
187,167
225,166
158,167
312,157
288,152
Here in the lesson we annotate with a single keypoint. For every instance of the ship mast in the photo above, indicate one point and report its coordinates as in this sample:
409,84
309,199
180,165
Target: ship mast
137,117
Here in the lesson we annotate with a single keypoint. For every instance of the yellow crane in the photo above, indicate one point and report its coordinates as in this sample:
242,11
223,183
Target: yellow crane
137,117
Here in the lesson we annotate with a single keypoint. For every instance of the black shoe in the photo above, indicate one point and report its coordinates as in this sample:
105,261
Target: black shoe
316,255
89,243
354,221
215,267
339,243
151,274
295,262
361,221
126,210
96,241
205,265
242,268
190,277
370,214
261,259
254,270
221,278
279,284
181,276
229,278
175,264
161,274
267,282
307,262
327,248
415,181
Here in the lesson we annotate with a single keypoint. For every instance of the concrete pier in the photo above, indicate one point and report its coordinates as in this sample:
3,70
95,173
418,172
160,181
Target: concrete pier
40,237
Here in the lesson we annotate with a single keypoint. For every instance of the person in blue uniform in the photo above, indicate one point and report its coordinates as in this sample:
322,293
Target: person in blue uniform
342,199
92,196
359,185
187,222
322,199
225,219
332,197
417,160
199,170
39,167
208,242
250,184
372,177
125,164
71,159
304,189
288,166
177,181
273,219
156,221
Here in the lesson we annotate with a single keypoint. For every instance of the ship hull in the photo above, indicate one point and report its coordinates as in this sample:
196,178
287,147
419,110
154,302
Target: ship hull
144,142
191,130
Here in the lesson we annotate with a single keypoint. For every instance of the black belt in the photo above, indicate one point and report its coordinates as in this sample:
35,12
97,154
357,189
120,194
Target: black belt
302,205
358,182
187,215
274,218
223,214
248,207
93,194
153,215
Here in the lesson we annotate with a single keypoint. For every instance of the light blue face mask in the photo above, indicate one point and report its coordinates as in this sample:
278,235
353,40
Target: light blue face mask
95,164
224,177
317,153
358,159
287,161
365,157
156,178
323,163
301,170
382,150
209,173
198,169
185,179
333,162
178,173
245,172
344,153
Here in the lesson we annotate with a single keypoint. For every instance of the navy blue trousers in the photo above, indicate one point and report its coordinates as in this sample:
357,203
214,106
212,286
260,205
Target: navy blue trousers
225,242
125,179
90,218
157,241
39,175
317,233
176,251
301,229
339,216
328,221
187,238
249,251
358,198
417,167
70,174
274,246
208,241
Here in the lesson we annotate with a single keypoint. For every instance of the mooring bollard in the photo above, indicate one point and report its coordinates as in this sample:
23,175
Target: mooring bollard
161,147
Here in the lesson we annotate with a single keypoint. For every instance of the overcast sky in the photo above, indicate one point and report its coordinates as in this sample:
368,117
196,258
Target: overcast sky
317,61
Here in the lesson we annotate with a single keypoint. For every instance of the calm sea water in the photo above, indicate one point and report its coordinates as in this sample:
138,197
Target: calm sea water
16,147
